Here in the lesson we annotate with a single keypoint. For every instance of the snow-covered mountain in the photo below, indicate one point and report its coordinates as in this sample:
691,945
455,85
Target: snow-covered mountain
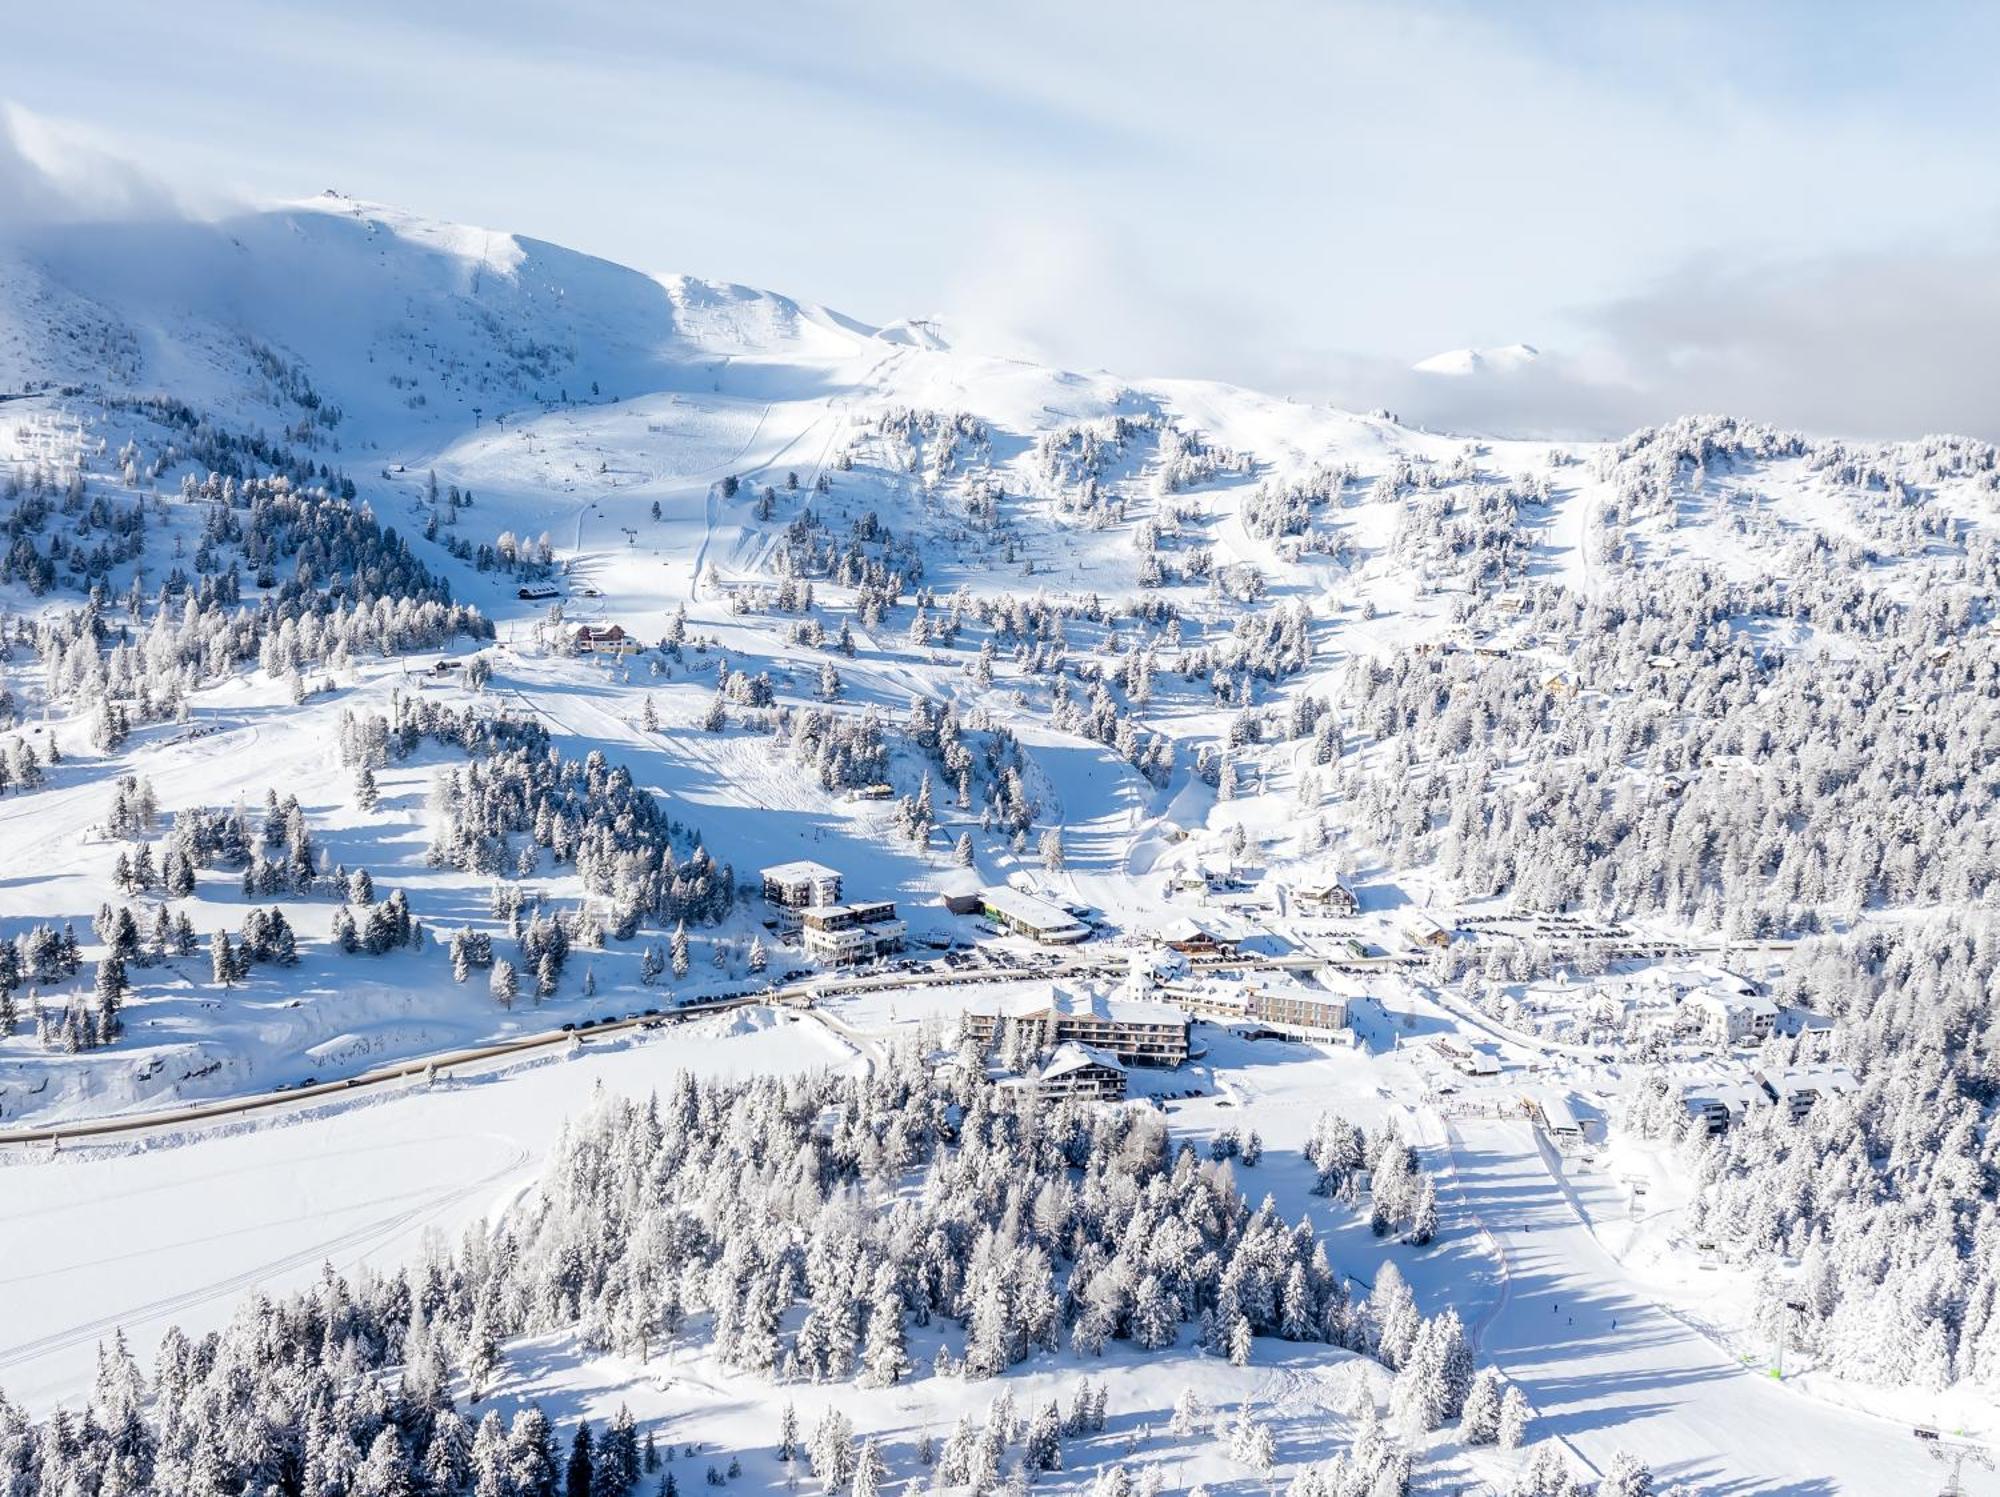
415,637
1472,362
506,411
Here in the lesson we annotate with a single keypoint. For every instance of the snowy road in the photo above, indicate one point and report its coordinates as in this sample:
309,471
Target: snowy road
1607,1370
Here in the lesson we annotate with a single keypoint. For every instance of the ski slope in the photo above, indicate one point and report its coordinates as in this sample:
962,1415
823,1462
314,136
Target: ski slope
180,1230
1610,1370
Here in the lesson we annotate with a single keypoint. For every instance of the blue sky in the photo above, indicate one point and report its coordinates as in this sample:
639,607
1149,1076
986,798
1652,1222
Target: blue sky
1681,204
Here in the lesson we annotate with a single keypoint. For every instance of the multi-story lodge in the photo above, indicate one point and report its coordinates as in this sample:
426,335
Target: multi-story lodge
1285,1007
1325,897
1191,938
1138,1033
842,935
1733,1018
793,888
1081,1072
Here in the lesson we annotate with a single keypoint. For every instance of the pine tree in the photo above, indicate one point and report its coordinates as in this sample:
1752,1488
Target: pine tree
1479,1420
1054,859
1041,1448
505,983
1239,1339
482,1356
222,960
884,1359
759,958
1424,1213
869,1470
961,853
831,1449
1512,1426
788,1432
678,951
1548,1474
1627,1476
386,1471
576,1475
1189,1413
1397,1319
366,796
112,985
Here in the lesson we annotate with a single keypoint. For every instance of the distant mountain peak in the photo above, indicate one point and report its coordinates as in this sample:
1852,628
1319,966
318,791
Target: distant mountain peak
1467,361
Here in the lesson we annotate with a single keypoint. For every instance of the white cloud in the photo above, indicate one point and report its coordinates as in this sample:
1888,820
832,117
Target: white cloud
54,172
1883,345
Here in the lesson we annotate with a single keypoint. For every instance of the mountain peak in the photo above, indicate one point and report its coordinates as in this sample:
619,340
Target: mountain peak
1468,361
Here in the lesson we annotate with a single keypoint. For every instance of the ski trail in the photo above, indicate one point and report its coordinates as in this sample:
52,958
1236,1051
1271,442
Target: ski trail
381,1229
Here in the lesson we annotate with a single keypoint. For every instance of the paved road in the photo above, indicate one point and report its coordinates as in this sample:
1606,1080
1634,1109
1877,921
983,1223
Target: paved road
1650,1384
795,994
1089,962
1099,963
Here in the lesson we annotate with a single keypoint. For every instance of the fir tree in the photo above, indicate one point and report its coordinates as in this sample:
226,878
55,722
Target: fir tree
222,960
1512,1426
577,1473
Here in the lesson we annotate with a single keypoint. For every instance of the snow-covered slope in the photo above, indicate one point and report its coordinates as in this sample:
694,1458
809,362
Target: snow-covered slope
405,324
678,448
303,511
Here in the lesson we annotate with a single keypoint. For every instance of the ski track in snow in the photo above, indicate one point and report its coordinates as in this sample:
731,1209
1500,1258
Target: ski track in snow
412,1209
1650,1384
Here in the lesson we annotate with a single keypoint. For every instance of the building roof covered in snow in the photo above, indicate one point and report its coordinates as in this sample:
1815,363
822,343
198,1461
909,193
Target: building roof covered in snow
1810,1081
1070,1057
1082,1003
1031,913
799,871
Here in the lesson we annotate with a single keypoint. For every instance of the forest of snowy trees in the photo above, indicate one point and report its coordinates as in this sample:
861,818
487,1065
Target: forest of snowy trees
1689,772
1888,1199
587,813
764,1218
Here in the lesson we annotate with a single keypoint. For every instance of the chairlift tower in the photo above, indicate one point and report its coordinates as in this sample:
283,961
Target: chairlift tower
1957,1454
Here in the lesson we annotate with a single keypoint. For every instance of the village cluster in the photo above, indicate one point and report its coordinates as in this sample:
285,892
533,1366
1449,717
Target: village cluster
1073,1023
